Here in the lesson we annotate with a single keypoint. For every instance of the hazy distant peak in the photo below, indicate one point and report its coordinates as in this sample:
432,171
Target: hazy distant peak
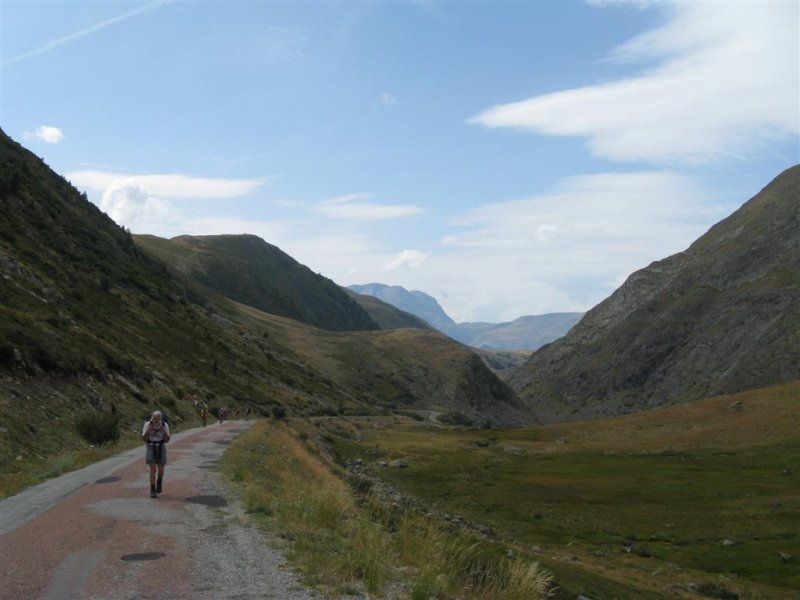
416,302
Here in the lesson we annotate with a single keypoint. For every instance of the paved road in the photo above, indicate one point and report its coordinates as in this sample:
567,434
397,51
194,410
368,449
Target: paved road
97,534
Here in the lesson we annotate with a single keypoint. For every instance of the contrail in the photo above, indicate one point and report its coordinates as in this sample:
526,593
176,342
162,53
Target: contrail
84,32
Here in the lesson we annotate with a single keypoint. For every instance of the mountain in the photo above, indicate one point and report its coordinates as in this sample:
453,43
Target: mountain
93,323
247,269
414,302
719,318
386,315
524,333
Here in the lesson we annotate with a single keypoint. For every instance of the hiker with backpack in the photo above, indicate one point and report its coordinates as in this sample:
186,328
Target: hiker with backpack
155,434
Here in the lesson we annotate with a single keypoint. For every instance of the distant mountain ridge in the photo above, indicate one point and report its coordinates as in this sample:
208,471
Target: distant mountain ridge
386,315
719,318
413,301
524,333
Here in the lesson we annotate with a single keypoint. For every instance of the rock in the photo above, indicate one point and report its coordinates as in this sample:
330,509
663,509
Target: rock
737,406
727,543
785,557
486,530
398,464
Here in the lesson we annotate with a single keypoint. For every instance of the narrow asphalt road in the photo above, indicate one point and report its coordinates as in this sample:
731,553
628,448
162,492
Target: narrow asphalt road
97,534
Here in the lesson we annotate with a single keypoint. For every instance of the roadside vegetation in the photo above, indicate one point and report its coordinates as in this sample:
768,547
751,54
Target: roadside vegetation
349,539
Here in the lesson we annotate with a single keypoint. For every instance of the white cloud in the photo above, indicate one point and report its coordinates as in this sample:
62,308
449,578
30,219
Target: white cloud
347,198
569,248
727,81
146,203
45,133
563,250
132,206
388,99
355,207
168,185
409,259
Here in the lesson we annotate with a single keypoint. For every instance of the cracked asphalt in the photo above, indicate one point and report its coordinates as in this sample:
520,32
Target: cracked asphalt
97,534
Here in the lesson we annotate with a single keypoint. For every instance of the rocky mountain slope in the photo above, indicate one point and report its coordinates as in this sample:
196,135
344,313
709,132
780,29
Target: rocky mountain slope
524,333
92,323
721,317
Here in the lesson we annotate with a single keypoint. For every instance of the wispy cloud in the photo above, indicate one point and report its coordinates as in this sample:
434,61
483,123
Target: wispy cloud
168,185
726,81
355,207
84,32
562,250
45,133
388,99
541,254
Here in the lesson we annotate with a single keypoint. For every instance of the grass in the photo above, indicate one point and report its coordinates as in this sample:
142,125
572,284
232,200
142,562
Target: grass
348,538
677,496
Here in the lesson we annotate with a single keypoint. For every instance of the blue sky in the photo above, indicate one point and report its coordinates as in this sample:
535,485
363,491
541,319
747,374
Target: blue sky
508,158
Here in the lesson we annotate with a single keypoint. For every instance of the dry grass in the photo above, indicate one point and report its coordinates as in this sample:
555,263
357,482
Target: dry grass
343,540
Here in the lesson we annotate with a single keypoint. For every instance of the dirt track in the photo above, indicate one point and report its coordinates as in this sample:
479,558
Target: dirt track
96,533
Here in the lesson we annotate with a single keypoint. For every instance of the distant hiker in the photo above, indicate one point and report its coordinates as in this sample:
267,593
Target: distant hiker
204,416
155,435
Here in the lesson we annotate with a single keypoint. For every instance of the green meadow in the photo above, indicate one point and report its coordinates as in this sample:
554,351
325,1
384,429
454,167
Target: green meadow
701,500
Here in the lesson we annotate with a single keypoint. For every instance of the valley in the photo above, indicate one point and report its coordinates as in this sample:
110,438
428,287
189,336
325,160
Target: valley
689,501
651,452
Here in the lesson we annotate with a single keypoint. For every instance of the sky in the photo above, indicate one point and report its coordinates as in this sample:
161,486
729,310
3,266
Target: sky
508,158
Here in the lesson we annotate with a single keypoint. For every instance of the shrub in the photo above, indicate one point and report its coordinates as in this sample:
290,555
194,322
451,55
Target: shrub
713,590
98,428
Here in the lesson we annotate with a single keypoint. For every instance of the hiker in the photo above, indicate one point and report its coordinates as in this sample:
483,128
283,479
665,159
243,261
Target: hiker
204,416
155,435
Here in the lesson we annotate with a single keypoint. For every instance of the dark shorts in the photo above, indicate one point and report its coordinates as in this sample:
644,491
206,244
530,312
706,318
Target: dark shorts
152,456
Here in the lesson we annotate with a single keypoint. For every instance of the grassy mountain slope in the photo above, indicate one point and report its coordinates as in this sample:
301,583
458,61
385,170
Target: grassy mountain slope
90,323
247,269
400,369
721,317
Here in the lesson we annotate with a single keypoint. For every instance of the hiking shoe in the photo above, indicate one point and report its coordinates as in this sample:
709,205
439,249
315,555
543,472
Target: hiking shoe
153,491
158,485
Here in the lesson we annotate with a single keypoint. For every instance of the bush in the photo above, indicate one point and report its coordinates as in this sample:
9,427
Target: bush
98,428
713,590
